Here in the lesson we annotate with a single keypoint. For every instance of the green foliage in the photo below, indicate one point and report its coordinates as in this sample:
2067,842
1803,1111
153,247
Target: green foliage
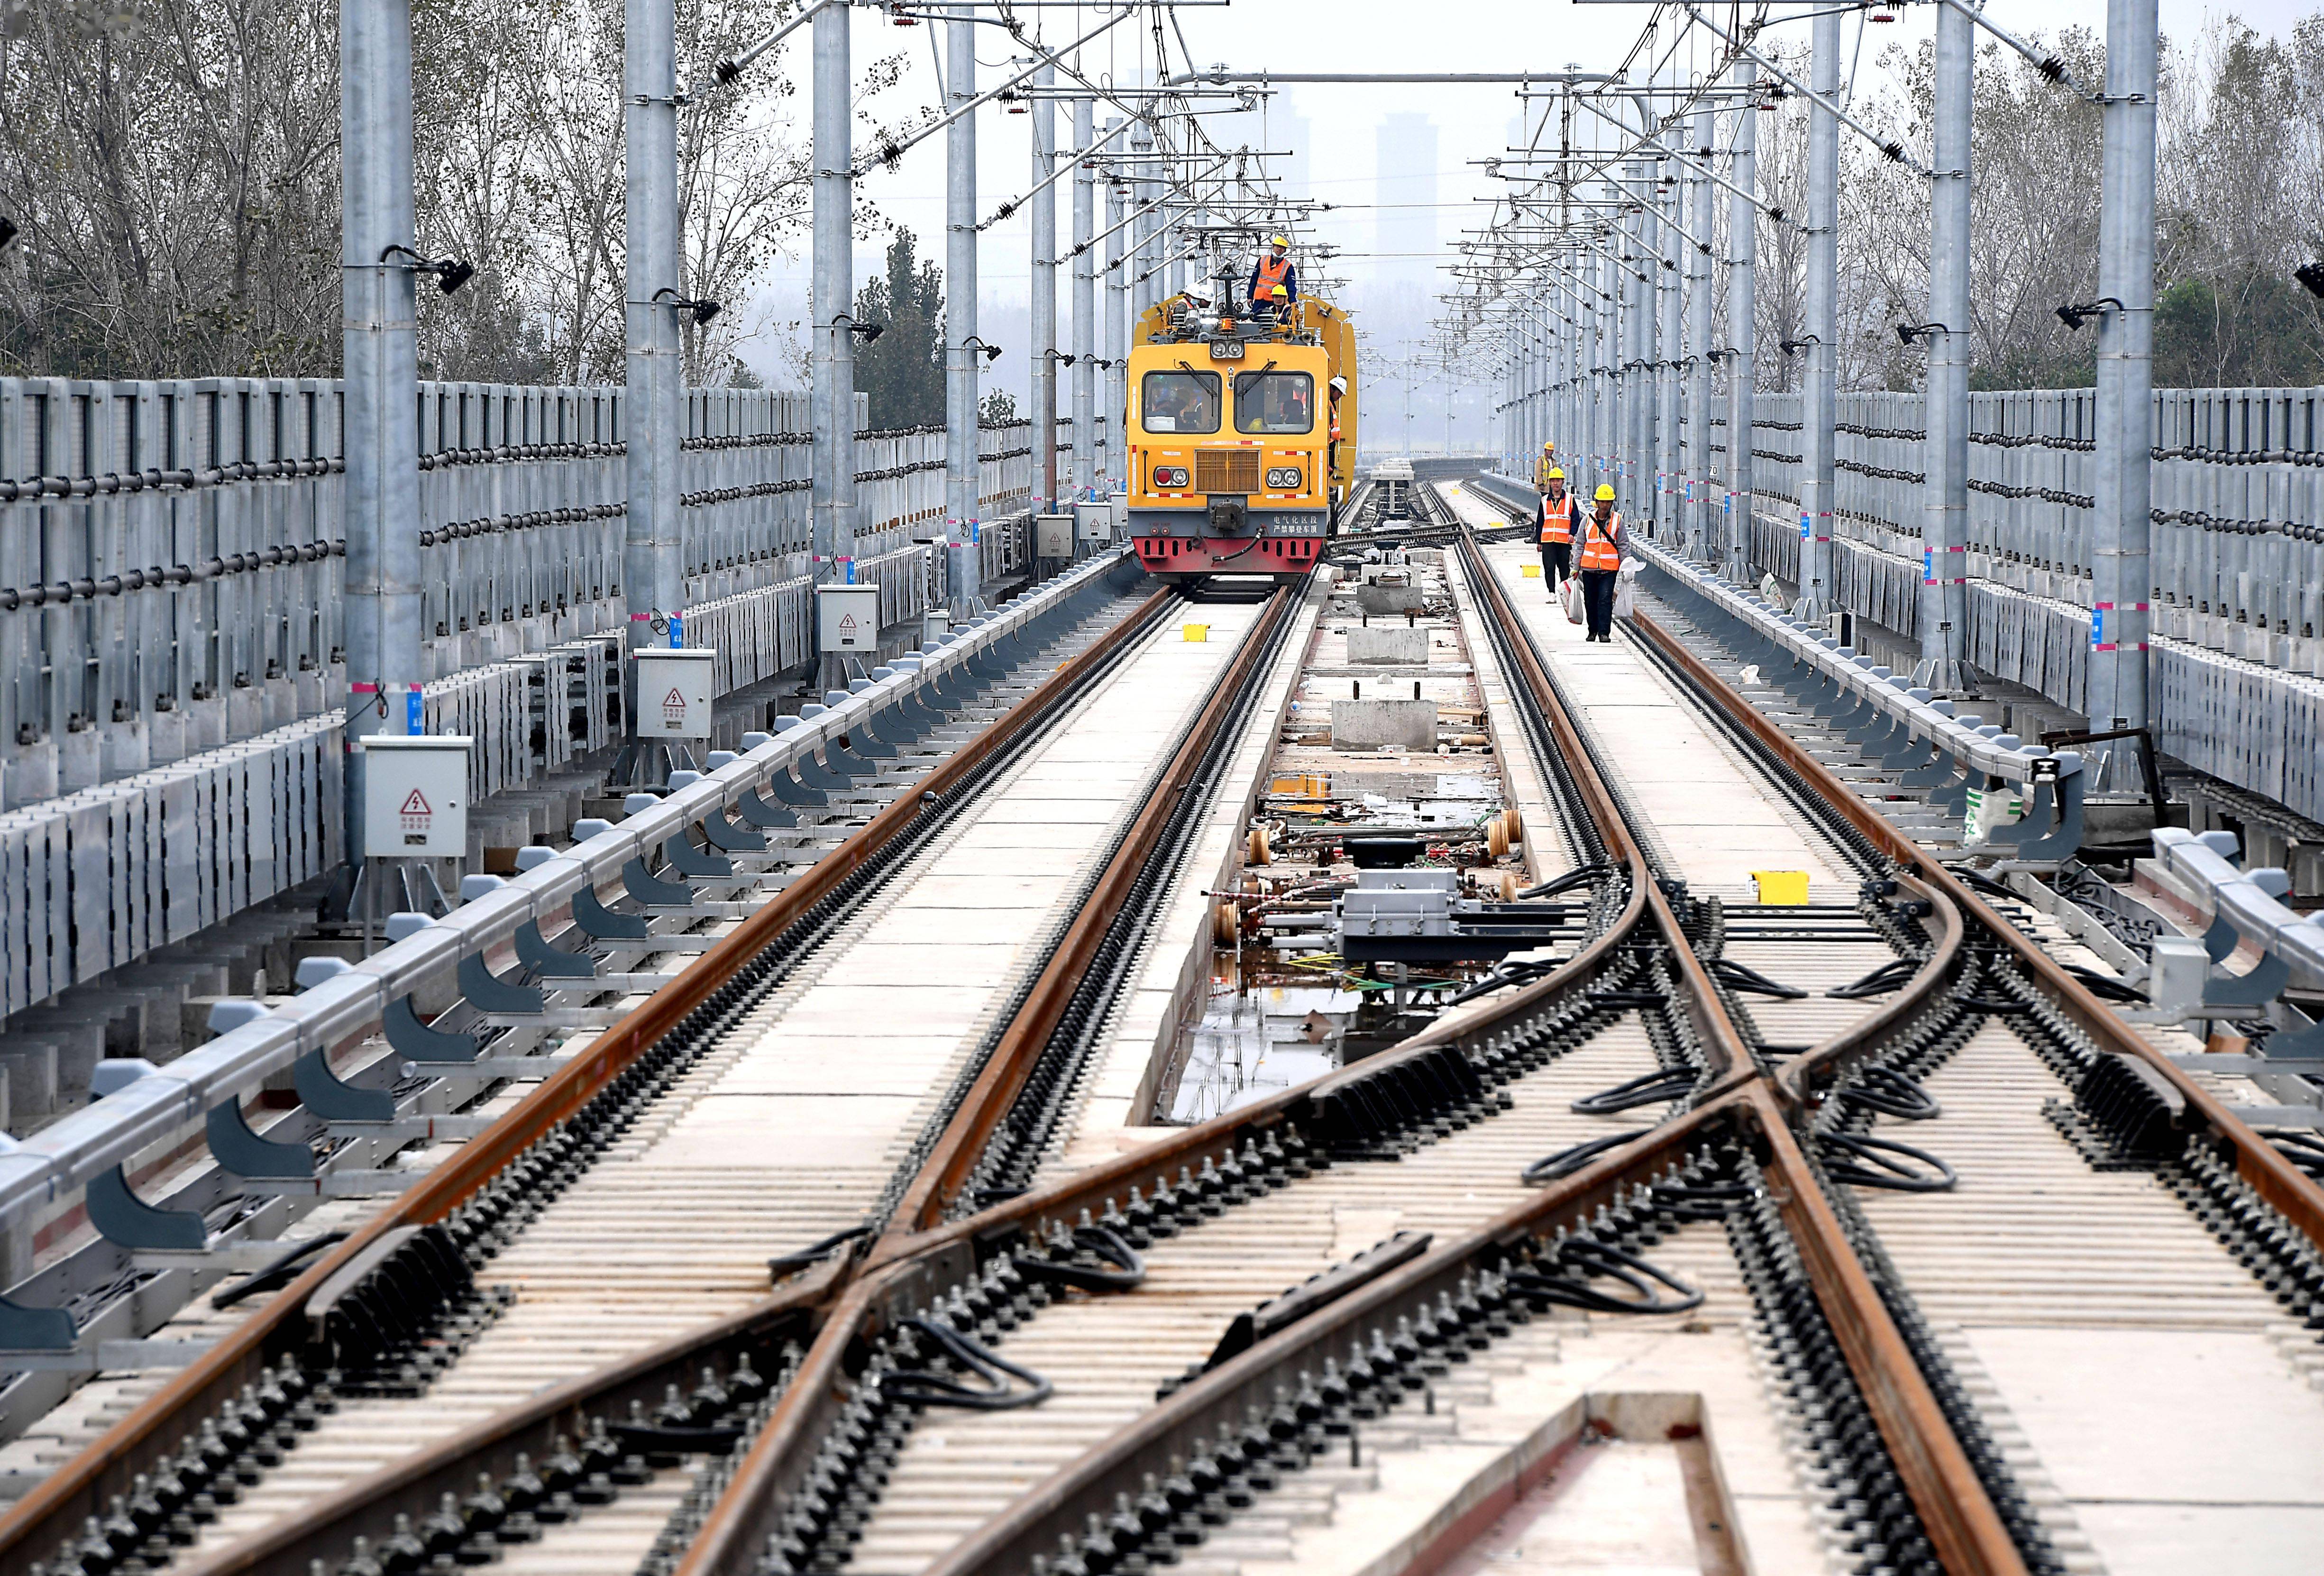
2241,329
999,409
902,371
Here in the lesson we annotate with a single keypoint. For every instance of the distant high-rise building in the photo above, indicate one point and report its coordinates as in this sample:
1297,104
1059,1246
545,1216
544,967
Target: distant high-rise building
1288,132
1406,188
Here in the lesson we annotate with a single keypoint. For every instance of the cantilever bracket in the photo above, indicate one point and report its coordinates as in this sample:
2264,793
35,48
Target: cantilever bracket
120,1216
248,1154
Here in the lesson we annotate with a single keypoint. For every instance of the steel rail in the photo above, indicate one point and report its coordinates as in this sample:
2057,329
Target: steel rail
366,1507
1803,1079
917,1246
736,1528
2283,1186
1936,1471
1061,1504
1729,1057
996,1088
85,1486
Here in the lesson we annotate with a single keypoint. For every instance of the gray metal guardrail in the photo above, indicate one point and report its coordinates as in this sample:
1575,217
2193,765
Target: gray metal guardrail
1901,727
1891,721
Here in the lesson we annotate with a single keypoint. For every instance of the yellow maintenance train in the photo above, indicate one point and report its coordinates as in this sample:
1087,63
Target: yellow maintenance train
1242,436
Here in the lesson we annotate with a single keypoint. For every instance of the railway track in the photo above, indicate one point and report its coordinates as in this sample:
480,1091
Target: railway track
590,1192
1376,1311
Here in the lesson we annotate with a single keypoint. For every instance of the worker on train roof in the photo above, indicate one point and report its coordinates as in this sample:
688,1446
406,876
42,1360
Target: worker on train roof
1273,283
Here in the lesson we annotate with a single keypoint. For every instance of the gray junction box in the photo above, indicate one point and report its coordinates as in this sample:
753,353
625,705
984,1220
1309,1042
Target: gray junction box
847,619
674,688
415,795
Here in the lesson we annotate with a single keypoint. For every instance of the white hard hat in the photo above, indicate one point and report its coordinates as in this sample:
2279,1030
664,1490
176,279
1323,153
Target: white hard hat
1339,385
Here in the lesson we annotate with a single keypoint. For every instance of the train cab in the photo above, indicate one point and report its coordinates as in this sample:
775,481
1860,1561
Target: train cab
1230,448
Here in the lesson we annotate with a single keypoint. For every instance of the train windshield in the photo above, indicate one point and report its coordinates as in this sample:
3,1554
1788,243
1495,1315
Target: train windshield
1274,402
1179,401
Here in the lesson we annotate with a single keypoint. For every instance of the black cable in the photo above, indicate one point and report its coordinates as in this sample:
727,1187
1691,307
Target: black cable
1882,1163
1739,976
813,1252
1568,881
1887,977
1664,1083
1595,1259
930,1388
281,1272
1566,1162
1892,1093
1106,1245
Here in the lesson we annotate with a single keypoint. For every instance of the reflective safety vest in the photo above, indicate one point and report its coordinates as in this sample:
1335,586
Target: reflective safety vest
1543,467
1335,421
1598,549
1558,518
1272,271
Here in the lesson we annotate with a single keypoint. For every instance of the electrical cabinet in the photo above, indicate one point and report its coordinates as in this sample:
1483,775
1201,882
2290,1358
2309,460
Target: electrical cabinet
415,800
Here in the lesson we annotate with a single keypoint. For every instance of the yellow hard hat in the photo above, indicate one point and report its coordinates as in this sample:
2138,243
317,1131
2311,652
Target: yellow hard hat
1280,241
1604,494
1555,474
1548,447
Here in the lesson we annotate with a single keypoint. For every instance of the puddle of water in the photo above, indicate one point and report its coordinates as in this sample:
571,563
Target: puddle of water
1250,1046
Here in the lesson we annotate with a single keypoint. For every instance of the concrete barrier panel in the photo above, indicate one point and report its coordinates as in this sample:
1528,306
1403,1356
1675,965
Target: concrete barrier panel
1389,643
1369,724
1389,598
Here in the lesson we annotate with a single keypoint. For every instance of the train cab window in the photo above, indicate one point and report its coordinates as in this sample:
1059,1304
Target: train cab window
1274,402
1179,401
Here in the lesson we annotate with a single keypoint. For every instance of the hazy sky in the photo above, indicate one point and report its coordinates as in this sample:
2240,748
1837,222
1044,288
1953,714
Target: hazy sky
1344,122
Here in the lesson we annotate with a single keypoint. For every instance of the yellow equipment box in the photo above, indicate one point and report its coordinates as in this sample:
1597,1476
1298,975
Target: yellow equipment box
1782,885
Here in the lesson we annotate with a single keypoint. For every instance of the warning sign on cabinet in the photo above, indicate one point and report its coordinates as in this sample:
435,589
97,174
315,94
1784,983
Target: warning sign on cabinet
415,796
674,689
847,618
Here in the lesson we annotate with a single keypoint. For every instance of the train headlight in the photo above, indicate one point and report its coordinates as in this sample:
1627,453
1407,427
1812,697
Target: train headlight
1285,479
1168,478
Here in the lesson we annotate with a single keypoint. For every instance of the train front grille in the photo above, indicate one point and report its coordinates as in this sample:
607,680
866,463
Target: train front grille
1226,470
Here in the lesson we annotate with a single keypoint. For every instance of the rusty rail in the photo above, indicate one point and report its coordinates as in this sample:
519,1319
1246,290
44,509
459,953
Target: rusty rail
2286,1188
989,1100
85,1486
1935,1470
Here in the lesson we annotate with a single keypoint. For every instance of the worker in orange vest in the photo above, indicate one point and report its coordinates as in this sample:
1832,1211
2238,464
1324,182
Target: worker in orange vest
1274,283
1603,544
1561,514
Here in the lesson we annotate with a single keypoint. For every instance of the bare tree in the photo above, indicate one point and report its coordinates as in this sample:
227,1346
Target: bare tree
173,165
175,171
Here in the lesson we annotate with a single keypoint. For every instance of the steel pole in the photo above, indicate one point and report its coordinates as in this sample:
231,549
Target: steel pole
1671,351
831,399
653,569
2122,577
1944,537
381,349
1638,344
1144,291
1818,397
1117,338
1045,294
1606,445
961,530
1742,329
1085,463
1700,470
1564,410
